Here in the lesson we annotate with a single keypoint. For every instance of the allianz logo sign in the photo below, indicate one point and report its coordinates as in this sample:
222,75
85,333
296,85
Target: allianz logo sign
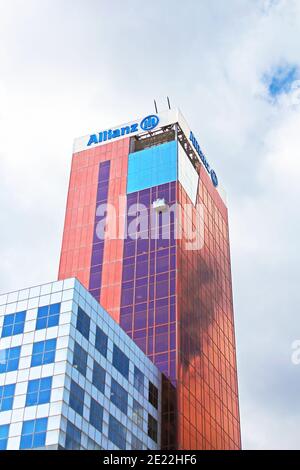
147,124
209,170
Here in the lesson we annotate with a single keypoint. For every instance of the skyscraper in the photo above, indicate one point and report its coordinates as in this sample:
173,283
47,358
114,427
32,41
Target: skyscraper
146,232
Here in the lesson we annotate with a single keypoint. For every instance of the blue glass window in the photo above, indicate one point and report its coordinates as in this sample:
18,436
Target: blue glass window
7,397
96,415
80,359
136,444
153,395
152,428
34,433
73,437
9,359
138,380
83,323
101,342
76,398
137,413
48,316
13,324
43,352
38,391
98,377
152,166
117,433
4,430
119,396
120,361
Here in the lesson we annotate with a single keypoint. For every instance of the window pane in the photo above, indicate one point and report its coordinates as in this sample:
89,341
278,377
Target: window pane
120,361
101,341
153,395
7,397
98,377
76,398
39,391
83,323
119,396
9,359
136,444
138,380
73,437
34,433
43,352
96,415
117,433
152,428
13,324
4,430
137,413
80,359
48,316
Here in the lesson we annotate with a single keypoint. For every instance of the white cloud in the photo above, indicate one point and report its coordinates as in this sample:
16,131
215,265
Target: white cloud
68,67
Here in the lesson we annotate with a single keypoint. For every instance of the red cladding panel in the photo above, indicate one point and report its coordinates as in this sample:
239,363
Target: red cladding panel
79,227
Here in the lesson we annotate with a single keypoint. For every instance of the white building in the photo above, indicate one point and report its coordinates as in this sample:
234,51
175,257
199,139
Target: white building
70,377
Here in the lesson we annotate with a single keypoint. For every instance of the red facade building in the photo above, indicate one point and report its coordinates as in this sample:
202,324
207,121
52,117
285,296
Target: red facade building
146,231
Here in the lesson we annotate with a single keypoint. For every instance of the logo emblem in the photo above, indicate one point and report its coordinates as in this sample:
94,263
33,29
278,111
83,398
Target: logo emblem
214,178
149,122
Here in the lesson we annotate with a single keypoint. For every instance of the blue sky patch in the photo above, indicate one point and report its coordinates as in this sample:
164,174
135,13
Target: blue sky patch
281,79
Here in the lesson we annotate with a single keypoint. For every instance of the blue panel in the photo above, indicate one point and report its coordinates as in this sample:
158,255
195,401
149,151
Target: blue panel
34,433
152,167
13,324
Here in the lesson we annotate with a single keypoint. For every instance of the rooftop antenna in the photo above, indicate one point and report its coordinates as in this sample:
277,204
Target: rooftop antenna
155,105
168,102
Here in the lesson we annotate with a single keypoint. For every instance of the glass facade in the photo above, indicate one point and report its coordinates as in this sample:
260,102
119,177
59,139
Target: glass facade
208,410
148,297
174,303
72,384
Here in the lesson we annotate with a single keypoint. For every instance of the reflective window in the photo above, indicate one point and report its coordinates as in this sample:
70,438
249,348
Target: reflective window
76,400
137,413
117,433
120,361
38,391
153,395
7,397
152,428
83,323
152,166
119,396
98,377
48,316
13,324
43,352
73,437
138,380
96,415
4,430
136,444
34,433
9,359
80,359
101,341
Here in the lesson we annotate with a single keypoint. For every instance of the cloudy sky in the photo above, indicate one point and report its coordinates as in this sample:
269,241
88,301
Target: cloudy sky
68,67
